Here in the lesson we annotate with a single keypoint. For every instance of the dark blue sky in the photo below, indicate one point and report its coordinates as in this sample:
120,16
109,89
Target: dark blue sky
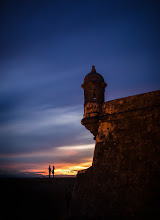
47,48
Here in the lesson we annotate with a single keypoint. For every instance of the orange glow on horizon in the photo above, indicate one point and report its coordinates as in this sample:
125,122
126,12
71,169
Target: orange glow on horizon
61,169
75,158
72,170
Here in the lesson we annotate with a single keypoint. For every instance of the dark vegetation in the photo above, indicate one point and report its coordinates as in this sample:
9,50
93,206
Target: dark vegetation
35,198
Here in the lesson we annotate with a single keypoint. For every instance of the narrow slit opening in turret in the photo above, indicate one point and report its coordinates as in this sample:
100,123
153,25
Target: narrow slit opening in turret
94,96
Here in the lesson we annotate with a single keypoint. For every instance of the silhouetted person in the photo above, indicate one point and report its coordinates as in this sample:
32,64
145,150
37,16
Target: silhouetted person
49,171
53,171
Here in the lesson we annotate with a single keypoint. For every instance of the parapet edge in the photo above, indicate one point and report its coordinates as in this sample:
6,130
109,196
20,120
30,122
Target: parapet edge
144,100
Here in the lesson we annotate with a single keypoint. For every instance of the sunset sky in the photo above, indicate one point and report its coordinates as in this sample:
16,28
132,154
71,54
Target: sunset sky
46,49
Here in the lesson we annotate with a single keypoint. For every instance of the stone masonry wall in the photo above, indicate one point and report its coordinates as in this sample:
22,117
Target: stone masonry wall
124,179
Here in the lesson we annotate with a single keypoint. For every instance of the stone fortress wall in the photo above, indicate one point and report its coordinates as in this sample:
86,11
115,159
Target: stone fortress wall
124,178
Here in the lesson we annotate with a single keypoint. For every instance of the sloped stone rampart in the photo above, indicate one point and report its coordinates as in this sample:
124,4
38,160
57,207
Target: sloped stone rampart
124,179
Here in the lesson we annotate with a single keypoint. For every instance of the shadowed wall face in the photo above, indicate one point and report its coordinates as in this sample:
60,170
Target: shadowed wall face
123,180
127,150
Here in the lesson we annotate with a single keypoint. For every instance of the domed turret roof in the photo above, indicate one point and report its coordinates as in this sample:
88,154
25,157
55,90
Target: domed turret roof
93,76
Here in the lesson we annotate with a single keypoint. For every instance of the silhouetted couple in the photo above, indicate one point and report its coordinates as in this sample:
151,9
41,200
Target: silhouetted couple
50,171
